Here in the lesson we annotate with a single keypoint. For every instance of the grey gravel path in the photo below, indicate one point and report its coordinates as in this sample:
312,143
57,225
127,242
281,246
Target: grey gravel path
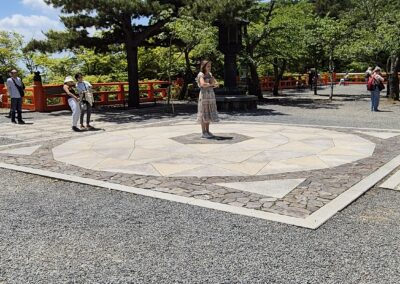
350,108
60,232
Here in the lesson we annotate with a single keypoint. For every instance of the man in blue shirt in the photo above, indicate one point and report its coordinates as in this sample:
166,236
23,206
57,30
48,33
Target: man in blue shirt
15,89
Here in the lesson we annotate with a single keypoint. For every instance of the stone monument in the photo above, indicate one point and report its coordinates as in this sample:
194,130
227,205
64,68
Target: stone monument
230,97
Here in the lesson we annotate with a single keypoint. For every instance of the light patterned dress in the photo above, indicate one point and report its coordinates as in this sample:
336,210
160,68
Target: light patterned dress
207,106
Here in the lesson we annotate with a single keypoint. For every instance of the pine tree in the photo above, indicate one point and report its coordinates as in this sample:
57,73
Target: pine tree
117,21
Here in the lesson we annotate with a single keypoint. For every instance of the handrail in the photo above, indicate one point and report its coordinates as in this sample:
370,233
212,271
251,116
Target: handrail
52,97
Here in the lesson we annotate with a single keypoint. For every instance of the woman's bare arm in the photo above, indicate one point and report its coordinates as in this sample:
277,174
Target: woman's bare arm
203,83
66,89
214,83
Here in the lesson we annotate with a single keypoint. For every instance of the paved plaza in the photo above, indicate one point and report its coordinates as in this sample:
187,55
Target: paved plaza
297,160
291,173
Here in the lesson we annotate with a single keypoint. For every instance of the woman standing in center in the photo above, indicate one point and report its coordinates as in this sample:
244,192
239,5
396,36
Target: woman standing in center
207,106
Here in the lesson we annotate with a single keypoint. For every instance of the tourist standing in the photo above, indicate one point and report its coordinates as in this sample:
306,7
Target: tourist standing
86,99
15,88
207,106
73,101
378,87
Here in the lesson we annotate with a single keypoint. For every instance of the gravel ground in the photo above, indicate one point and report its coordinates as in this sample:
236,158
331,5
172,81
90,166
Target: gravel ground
352,113
60,232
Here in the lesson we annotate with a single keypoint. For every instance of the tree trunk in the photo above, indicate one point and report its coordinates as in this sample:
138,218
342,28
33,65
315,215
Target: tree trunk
331,85
187,77
331,69
133,74
254,82
278,74
315,82
393,84
388,68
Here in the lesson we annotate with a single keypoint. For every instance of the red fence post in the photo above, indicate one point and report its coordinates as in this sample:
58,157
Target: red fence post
150,92
121,93
39,98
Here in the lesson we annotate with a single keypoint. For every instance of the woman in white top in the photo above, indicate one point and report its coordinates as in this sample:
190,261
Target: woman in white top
207,106
376,92
73,101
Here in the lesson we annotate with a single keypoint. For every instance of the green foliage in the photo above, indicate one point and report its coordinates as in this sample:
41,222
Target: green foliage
10,51
195,37
352,33
332,8
375,31
107,67
154,62
194,34
112,63
324,40
221,10
54,70
117,20
287,36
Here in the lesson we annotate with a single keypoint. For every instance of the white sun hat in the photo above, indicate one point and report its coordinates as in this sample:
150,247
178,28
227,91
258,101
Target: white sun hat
69,79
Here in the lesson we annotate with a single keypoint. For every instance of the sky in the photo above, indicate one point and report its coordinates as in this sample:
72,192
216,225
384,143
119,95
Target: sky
29,18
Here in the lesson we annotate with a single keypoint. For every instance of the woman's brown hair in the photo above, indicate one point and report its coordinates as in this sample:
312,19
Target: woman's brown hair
203,65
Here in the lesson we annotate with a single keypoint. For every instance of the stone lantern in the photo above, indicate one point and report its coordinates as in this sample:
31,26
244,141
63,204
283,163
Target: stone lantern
230,44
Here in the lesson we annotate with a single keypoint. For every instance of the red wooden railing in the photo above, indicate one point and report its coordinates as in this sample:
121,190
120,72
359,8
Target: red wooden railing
40,97
294,81
52,97
267,84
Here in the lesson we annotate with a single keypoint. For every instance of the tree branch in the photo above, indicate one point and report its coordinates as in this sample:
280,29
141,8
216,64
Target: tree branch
264,34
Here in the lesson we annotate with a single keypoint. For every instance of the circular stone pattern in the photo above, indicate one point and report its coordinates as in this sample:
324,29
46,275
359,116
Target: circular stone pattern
267,149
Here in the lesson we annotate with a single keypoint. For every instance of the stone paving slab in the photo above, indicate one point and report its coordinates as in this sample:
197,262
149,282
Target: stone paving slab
256,151
392,182
320,188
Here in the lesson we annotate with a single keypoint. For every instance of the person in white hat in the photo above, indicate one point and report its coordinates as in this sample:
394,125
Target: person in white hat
73,101
15,88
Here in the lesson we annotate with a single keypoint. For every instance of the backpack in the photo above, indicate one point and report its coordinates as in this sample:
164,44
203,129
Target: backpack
371,83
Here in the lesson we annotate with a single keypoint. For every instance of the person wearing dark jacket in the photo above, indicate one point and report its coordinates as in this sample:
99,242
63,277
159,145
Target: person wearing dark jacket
15,88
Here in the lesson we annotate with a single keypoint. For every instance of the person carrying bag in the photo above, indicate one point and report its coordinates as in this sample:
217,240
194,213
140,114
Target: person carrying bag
375,85
21,89
86,100
15,88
